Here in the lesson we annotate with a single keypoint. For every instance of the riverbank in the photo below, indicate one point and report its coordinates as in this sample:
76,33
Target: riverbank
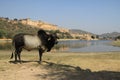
116,43
5,40
61,66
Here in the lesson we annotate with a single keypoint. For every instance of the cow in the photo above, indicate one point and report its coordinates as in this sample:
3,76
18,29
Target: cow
42,41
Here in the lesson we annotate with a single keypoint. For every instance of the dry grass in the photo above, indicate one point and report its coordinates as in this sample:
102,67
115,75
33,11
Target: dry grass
61,66
94,61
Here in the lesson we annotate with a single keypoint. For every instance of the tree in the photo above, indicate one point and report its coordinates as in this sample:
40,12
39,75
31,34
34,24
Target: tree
93,37
15,19
117,38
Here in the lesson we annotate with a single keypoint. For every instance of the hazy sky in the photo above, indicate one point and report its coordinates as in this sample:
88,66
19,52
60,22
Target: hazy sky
96,16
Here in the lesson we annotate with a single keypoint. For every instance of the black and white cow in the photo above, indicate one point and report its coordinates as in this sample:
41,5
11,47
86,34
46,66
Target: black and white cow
42,41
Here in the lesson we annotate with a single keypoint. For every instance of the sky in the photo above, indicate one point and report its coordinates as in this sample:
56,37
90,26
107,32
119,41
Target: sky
96,16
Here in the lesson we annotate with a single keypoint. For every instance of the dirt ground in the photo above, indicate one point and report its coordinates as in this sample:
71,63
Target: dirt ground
23,71
56,67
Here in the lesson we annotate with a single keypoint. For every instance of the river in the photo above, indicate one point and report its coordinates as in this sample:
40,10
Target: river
87,46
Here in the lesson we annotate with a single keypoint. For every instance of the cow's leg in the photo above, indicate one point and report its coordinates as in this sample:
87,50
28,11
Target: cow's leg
19,54
16,52
19,57
40,55
15,55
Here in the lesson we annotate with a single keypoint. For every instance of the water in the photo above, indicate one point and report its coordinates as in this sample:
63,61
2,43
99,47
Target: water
87,46
77,46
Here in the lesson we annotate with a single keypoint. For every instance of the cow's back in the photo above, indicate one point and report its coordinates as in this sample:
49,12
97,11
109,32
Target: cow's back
32,41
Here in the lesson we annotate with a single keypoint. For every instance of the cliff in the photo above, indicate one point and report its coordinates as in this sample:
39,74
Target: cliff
42,25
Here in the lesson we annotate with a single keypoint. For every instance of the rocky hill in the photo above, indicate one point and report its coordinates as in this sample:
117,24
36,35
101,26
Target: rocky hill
111,35
9,27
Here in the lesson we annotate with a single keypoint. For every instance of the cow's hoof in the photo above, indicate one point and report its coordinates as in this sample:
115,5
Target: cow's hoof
39,62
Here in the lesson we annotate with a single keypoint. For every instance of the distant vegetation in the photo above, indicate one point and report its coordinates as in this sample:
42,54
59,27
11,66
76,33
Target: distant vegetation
62,35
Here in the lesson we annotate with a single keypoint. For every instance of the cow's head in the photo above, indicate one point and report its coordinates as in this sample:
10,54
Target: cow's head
49,40
52,40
